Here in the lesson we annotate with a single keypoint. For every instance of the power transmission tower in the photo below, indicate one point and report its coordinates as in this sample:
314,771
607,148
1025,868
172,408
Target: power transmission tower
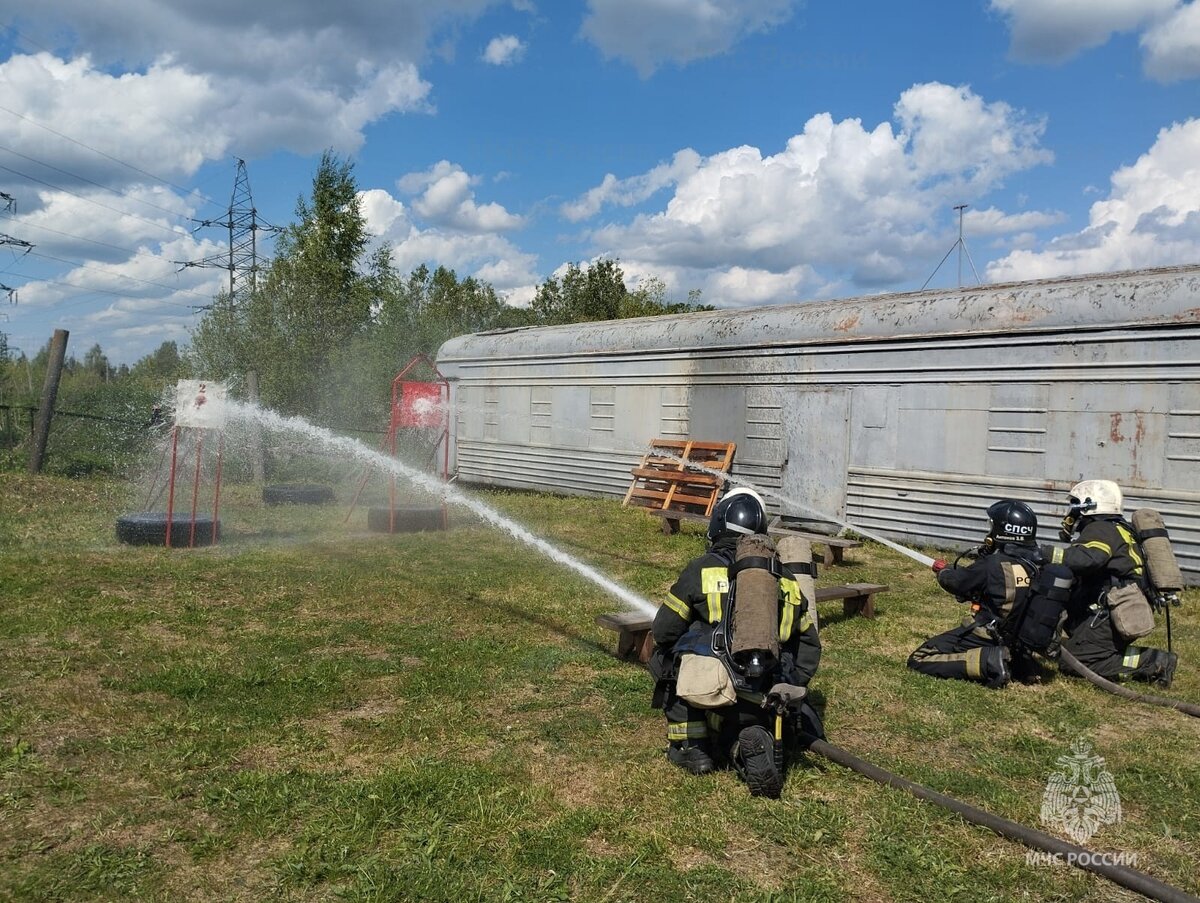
10,206
241,219
962,248
20,243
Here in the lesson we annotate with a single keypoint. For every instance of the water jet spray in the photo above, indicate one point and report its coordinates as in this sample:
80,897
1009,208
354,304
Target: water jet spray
435,487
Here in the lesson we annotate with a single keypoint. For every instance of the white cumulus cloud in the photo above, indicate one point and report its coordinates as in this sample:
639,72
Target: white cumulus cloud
433,233
1172,46
504,50
1052,31
634,190
648,33
839,204
445,198
1151,217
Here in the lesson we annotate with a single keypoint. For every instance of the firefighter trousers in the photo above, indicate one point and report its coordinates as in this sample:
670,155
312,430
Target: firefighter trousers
1096,643
969,652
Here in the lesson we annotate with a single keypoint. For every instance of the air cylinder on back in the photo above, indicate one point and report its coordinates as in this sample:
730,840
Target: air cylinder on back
1161,564
755,640
796,554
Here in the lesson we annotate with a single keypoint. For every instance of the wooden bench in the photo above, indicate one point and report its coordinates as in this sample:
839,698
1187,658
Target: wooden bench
835,546
857,598
635,643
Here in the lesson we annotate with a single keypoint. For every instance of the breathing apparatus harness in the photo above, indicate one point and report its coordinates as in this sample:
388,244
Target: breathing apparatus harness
1033,623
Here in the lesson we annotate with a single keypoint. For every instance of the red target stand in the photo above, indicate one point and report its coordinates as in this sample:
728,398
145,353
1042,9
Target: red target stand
417,406
199,411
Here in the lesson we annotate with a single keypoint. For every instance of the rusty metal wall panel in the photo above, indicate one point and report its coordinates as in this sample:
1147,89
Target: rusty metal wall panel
816,424
949,512
971,395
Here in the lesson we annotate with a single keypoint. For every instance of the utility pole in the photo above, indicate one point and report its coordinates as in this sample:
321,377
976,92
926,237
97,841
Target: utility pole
962,249
242,222
58,351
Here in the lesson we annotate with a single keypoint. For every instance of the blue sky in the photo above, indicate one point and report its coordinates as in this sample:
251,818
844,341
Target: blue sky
761,151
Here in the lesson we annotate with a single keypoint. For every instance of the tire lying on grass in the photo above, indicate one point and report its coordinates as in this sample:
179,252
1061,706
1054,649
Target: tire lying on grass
407,520
150,529
297,494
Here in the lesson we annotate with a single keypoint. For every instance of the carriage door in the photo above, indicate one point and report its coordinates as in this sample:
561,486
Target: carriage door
816,426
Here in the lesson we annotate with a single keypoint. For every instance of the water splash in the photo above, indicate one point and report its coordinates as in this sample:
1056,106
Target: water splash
435,487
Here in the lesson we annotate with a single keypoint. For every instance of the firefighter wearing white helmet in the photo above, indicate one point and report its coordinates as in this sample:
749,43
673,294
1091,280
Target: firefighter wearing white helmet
1109,608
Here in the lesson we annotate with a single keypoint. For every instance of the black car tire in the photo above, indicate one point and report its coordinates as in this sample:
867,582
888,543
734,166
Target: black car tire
150,529
407,520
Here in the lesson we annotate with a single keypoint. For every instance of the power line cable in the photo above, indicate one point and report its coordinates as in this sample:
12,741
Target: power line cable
91,200
90,241
107,156
87,266
106,291
70,302
75,175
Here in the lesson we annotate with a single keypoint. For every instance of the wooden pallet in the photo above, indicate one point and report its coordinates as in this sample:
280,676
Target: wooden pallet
665,484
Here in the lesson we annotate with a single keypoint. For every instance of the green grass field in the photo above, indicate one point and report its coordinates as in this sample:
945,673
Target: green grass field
314,712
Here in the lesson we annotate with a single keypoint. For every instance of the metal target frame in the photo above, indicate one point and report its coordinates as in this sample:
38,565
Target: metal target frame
199,409
412,407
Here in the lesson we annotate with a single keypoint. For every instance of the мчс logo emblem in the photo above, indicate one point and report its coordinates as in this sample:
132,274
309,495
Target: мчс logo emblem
1082,797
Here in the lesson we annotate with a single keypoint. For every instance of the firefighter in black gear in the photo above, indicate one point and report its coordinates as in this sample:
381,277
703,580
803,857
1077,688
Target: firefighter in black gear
695,605
1104,553
998,580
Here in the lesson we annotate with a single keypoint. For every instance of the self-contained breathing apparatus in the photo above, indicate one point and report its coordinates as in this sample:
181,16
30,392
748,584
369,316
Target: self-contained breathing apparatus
1163,576
1034,622
746,642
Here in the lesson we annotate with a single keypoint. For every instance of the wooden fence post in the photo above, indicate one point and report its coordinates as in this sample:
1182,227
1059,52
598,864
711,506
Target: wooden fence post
41,433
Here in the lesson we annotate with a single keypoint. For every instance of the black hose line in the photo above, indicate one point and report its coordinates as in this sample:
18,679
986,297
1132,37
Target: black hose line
1088,674
1080,857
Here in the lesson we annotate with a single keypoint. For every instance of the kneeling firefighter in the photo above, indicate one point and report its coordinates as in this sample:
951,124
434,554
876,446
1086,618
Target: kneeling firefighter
1124,570
1017,605
736,645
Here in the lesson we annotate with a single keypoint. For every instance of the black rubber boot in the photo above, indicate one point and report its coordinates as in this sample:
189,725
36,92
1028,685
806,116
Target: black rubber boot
996,667
1166,675
754,761
692,756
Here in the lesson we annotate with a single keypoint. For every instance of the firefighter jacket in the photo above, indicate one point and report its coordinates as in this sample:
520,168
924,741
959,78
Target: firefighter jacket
702,594
1104,554
994,582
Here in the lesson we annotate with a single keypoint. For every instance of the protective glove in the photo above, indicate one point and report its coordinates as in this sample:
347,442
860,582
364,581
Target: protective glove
938,565
785,696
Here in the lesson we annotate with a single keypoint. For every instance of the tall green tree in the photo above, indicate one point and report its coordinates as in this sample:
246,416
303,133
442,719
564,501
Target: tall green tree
313,299
598,292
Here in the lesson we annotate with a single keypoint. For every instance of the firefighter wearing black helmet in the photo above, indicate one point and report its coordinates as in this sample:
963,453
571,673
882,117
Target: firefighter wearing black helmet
697,602
994,583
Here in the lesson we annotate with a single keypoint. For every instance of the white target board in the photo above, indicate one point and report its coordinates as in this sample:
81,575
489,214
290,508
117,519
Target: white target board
200,403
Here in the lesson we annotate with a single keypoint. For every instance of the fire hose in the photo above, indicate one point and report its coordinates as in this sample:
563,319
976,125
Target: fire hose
1091,676
1080,857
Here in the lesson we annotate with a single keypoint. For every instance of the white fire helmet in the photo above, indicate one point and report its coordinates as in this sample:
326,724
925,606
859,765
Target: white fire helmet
1096,497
